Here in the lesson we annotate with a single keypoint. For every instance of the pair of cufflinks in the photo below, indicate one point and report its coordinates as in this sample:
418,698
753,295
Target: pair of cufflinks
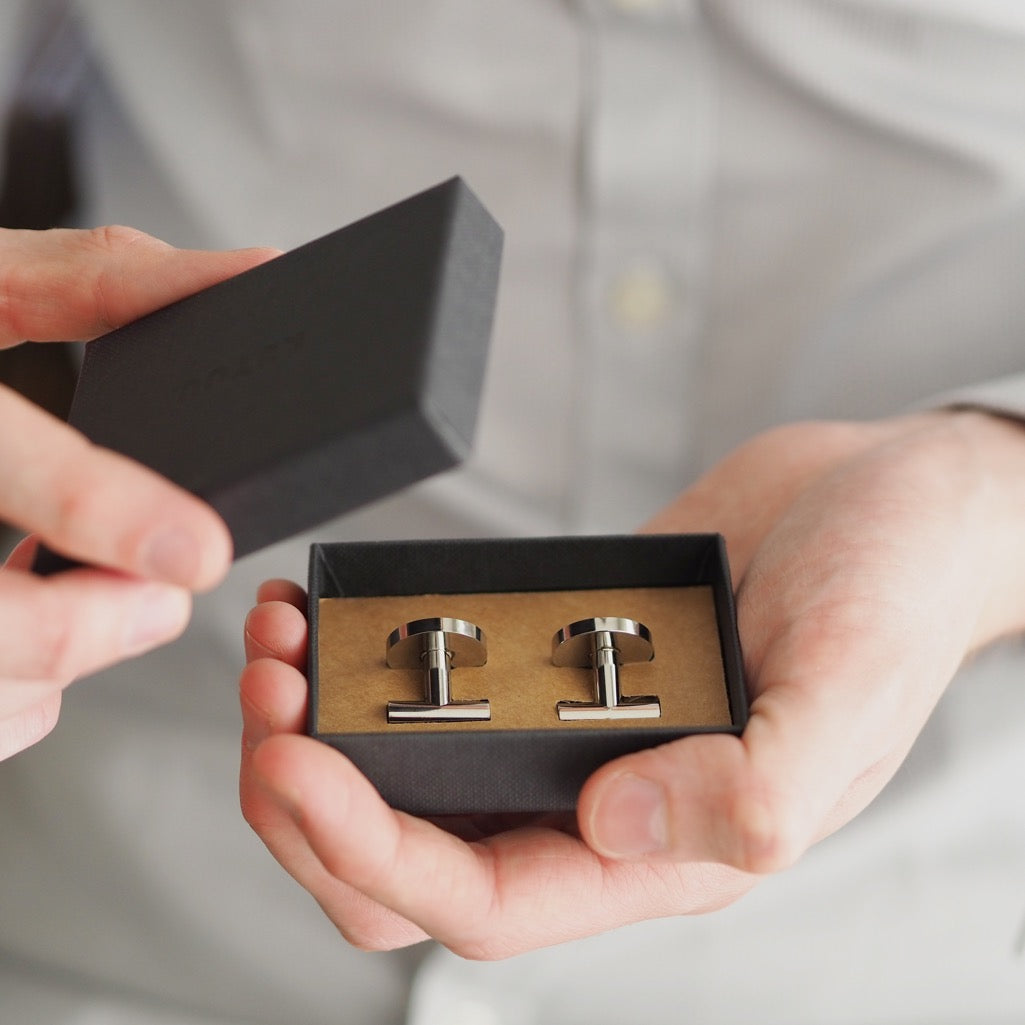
438,645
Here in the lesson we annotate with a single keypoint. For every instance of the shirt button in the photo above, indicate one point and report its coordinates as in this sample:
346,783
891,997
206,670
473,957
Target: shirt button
641,298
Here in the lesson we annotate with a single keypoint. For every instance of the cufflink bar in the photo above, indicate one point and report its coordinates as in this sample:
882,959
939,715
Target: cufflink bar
605,643
436,646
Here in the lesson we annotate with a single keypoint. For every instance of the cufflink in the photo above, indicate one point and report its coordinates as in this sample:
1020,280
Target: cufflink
436,646
605,643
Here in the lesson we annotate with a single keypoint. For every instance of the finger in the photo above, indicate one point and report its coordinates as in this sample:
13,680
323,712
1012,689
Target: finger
282,590
364,855
102,508
273,699
72,284
56,629
275,629
754,803
757,802
363,922
516,891
23,729
855,616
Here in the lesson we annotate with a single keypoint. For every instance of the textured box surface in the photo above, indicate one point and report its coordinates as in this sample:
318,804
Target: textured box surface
331,376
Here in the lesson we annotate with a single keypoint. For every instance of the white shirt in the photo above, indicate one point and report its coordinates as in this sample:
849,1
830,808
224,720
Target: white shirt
719,217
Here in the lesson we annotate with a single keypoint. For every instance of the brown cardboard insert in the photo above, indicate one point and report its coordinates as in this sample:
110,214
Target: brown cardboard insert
355,684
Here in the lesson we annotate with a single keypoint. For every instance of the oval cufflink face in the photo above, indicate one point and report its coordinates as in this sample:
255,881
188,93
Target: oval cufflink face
574,644
465,642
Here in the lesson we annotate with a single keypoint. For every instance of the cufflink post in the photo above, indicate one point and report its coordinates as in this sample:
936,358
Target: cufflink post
605,643
437,646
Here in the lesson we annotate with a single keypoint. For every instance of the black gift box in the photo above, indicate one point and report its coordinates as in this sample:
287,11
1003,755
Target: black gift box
521,591
339,373
312,384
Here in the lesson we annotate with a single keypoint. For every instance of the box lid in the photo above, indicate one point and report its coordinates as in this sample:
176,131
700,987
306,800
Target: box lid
331,376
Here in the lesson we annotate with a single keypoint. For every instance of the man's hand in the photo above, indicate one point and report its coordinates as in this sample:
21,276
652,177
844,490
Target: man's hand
870,559
156,542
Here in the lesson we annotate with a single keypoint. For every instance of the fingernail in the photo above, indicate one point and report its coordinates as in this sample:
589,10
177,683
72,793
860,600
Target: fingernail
630,819
173,554
159,614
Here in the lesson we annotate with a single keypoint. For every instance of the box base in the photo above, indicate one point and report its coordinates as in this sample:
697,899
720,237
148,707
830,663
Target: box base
523,758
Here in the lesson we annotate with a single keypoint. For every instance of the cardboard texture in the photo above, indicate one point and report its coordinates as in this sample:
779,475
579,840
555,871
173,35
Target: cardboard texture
519,678
334,375
519,591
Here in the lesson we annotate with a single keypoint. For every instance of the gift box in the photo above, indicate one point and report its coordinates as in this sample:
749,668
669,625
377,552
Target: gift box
312,384
520,593
460,676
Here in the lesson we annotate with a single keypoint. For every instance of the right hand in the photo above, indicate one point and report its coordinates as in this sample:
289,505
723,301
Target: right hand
156,542
870,560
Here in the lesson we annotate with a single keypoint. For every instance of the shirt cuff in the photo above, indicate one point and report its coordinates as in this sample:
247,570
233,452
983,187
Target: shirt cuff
1004,396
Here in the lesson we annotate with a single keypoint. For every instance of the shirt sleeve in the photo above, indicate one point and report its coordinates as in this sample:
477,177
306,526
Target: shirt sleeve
1004,396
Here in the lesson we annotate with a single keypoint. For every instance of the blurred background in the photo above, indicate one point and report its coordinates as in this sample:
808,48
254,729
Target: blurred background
719,216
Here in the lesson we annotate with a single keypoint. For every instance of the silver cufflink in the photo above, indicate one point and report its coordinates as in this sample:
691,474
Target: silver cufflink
605,643
437,646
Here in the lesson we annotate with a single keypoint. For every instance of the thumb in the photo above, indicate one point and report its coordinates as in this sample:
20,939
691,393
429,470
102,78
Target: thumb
813,755
695,800
855,615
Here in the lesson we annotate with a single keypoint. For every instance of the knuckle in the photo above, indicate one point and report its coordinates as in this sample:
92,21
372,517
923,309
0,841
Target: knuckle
11,323
762,842
112,280
20,284
54,643
372,927
254,811
481,950
92,512
369,938
75,504
114,238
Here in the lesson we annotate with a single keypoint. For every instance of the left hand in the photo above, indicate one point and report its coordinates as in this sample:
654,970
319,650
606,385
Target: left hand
869,558
147,543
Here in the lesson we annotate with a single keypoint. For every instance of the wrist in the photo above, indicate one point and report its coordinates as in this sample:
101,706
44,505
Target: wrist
985,455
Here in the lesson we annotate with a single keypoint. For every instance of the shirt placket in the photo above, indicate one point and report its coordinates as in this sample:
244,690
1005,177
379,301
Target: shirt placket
646,173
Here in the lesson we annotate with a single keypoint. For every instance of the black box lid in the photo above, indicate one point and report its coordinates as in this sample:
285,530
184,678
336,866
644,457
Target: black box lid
331,376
